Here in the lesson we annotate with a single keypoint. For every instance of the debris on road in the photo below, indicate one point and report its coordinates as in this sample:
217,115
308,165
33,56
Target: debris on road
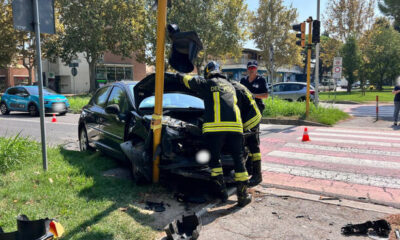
189,228
157,207
380,227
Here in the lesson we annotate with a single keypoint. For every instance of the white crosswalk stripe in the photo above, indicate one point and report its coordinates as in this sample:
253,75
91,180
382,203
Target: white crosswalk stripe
356,142
370,111
354,136
356,132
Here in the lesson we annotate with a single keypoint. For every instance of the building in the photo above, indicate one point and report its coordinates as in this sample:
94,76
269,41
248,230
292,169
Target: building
14,75
110,68
237,68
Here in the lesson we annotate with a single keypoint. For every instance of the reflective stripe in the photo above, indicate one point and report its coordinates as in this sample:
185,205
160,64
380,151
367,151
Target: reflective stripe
217,107
239,130
252,122
216,171
237,110
222,124
240,177
256,157
186,79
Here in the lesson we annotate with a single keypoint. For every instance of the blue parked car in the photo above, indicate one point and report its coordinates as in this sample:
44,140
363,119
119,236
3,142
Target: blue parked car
26,99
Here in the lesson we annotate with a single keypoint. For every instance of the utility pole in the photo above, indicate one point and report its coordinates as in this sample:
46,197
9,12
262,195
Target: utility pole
317,62
309,46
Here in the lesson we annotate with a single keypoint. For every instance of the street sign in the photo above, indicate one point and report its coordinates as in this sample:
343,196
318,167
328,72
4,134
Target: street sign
74,71
73,65
337,68
23,16
337,61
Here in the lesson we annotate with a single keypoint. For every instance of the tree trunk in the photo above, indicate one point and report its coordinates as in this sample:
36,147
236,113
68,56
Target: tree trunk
30,76
92,75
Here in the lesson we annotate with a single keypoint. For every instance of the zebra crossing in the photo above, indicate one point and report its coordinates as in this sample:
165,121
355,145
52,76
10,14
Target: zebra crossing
384,111
340,162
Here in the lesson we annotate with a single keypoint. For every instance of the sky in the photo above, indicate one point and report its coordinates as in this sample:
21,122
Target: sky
305,9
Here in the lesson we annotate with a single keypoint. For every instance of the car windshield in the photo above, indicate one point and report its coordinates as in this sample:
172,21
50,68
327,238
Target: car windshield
35,91
174,100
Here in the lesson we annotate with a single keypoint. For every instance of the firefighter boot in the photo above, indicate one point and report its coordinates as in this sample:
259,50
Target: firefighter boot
256,177
220,187
243,197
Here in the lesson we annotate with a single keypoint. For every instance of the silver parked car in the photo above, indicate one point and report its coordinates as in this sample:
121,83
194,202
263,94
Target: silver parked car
292,91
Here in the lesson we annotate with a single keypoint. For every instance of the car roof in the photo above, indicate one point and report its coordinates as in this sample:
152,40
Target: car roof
302,83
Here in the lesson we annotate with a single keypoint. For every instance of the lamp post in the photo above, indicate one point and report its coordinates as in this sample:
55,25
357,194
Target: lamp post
317,62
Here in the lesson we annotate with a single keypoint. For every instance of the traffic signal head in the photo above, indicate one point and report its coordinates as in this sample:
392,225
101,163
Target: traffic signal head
185,47
316,31
302,35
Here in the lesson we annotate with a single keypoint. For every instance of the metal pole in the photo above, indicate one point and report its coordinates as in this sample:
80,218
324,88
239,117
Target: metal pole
317,62
39,73
159,85
271,59
377,108
308,66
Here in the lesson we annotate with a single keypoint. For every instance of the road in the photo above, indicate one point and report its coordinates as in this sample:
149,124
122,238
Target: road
354,163
65,130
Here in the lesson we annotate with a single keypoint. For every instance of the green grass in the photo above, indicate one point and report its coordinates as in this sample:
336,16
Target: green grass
78,102
73,191
356,96
296,110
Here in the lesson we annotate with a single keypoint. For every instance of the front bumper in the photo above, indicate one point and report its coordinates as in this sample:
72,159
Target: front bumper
56,107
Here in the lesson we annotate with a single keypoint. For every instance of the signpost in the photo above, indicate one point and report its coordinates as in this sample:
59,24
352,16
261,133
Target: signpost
29,15
337,70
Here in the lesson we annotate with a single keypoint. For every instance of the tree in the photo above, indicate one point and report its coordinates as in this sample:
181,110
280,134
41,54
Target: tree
220,25
382,52
345,18
94,27
351,61
7,37
391,8
330,48
270,29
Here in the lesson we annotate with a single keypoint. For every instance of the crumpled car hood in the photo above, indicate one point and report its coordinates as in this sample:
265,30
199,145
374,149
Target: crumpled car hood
145,88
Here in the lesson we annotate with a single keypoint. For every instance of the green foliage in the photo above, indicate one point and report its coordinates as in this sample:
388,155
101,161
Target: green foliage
7,37
382,53
78,102
278,108
351,61
270,29
330,48
358,96
94,27
89,205
15,152
391,8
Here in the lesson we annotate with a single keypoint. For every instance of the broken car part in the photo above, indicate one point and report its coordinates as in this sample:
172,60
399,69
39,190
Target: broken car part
189,228
381,227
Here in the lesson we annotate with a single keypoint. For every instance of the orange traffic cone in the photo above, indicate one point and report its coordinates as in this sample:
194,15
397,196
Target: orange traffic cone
306,138
54,119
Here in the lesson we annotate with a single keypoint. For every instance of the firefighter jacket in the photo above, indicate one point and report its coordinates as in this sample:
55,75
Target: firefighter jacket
222,113
249,111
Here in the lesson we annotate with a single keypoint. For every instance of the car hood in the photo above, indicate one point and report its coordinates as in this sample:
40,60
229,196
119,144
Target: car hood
145,88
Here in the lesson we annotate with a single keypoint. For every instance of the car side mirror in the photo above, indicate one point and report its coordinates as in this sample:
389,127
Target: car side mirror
112,109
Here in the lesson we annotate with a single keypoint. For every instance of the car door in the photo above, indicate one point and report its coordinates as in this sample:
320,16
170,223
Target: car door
94,112
11,99
22,98
278,90
114,124
293,91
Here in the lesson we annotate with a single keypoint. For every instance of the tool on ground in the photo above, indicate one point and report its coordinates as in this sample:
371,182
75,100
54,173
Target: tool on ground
306,138
54,119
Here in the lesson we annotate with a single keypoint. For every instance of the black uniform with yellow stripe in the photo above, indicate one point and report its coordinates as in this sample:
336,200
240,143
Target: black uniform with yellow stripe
222,121
249,111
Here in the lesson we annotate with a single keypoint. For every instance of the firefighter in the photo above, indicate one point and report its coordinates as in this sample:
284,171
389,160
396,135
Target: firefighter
251,118
222,126
257,85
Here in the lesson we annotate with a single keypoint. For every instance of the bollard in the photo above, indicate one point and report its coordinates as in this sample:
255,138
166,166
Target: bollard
377,107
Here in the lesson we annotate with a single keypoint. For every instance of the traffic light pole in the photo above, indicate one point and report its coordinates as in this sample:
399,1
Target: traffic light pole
317,63
309,46
156,123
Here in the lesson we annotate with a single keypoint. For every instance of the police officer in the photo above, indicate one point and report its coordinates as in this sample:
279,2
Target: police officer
257,85
222,125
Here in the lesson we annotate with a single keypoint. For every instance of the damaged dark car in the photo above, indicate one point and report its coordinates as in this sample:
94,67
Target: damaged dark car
117,121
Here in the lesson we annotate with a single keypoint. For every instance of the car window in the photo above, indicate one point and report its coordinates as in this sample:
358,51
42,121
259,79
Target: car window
12,91
118,97
21,91
294,87
100,98
35,91
174,100
279,88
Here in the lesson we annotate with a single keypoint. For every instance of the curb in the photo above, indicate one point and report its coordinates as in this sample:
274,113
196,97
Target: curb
341,102
297,122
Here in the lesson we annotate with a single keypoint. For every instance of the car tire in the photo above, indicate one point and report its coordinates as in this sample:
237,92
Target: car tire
302,99
84,140
4,109
62,113
33,110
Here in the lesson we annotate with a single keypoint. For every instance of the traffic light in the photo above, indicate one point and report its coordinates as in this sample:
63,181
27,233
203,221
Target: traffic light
316,31
185,47
302,35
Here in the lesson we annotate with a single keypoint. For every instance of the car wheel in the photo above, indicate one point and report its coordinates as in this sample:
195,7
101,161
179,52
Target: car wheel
302,99
33,110
84,140
4,109
62,113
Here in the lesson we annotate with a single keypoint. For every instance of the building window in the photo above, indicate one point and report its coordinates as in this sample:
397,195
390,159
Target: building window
111,74
120,73
21,81
128,73
3,84
101,73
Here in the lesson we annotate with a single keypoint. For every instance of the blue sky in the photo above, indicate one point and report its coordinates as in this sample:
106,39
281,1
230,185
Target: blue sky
305,9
